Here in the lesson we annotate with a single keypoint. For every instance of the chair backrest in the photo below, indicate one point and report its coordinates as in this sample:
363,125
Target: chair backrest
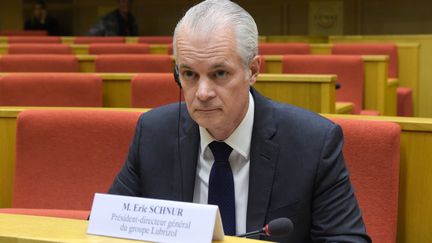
388,49
349,71
170,49
154,89
34,39
283,48
99,39
39,49
372,153
51,89
155,39
39,63
64,157
134,63
122,48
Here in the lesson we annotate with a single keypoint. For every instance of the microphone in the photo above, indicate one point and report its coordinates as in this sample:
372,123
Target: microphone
277,227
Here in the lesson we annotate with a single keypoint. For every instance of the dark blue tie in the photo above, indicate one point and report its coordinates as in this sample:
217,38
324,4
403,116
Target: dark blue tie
221,186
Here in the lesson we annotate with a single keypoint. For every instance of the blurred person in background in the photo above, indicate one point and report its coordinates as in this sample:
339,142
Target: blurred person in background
41,20
119,22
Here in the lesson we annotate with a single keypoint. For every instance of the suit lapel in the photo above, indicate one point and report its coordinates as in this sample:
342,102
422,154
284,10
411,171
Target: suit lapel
189,144
264,154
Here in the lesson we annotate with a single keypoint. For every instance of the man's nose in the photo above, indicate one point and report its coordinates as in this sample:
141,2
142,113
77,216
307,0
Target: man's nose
205,89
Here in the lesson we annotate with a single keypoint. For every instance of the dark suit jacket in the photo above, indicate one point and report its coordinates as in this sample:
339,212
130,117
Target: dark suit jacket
50,25
297,169
113,24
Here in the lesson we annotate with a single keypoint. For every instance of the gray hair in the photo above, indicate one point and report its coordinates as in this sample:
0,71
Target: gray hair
209,15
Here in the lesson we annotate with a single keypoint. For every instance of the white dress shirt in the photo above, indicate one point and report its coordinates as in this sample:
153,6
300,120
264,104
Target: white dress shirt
240,141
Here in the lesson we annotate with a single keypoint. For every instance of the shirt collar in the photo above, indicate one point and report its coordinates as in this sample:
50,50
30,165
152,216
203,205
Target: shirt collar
240,139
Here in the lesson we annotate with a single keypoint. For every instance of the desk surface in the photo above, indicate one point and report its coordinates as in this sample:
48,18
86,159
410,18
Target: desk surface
36,229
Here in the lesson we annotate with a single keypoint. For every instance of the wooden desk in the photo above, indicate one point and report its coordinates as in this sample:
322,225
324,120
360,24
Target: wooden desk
68,39
296,38
117,89
36,229
320,49
4,48
312,92
379,94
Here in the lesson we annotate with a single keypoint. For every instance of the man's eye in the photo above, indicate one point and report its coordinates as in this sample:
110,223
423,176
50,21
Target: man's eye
220,74
188,74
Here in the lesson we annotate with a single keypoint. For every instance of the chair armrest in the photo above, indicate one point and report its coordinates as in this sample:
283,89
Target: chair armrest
344,107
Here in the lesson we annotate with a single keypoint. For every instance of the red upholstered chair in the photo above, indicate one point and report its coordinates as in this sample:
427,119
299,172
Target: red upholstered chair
39,63
283,48
370,49
404,95
34,39
51,89
134,63
404,101
99,39
154,89
64,157
170,49
39,49
372,152
24,32
155,39
349,70
122,48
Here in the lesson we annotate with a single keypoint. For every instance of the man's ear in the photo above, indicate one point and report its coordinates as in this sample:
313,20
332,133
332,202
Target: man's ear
254,67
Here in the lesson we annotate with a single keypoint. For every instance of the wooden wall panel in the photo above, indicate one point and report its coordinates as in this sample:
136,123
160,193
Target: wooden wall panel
11,15
274,17
395,17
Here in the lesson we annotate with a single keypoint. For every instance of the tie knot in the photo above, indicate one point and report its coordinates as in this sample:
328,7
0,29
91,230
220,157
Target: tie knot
221,151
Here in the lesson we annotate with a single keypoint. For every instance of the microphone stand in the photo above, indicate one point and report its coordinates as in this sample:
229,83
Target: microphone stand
252,233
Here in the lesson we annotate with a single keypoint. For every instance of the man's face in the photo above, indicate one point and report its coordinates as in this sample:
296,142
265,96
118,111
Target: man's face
124,6
38,11
214,80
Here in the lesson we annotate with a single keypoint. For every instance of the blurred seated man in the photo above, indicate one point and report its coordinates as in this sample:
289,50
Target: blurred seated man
228,145
119,22
41,20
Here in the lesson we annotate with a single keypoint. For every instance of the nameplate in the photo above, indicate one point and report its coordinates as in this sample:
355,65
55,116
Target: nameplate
154,220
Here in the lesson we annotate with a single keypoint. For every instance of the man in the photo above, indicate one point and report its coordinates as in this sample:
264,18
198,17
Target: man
41,20
119,22
284,161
